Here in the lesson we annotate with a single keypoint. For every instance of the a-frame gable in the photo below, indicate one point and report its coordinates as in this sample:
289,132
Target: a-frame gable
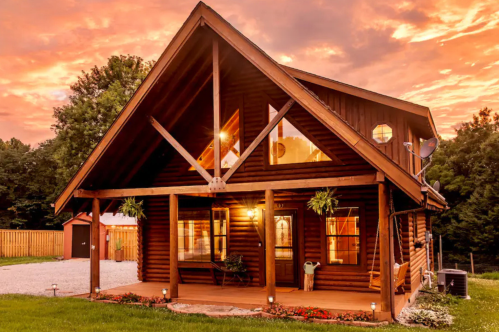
205,16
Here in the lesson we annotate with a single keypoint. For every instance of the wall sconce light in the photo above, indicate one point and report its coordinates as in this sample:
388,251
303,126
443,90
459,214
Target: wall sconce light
164,291
54,287
251,213
271,300
223,135
373,307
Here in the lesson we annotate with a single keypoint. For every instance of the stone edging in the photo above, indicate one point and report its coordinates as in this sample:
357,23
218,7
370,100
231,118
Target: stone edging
214,315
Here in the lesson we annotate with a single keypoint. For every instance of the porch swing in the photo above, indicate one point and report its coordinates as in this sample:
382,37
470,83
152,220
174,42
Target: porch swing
375,277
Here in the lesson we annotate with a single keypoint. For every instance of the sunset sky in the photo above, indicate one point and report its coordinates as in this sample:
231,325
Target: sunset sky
439,53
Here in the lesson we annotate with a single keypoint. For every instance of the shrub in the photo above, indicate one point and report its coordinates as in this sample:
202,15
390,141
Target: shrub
489,275
354,316
430,318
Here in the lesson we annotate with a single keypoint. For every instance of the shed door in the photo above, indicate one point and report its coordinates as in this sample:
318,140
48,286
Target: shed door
81,241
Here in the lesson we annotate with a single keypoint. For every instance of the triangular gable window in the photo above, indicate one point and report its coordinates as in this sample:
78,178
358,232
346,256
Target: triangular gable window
230,150
289,146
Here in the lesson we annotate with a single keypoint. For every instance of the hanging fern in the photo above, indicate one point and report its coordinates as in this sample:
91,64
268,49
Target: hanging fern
133,209
324,202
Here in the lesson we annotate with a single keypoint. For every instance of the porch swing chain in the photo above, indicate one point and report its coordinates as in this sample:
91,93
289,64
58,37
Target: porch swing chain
399,237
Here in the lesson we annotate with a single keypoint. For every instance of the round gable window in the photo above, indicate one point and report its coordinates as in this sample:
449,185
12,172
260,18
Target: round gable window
382,133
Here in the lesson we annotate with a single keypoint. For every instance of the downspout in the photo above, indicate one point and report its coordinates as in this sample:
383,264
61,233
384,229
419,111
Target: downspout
394,214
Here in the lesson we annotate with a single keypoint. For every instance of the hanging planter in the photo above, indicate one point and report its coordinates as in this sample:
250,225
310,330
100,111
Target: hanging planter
131,208
324,202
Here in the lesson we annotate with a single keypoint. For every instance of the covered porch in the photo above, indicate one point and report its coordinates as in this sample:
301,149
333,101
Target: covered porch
255,297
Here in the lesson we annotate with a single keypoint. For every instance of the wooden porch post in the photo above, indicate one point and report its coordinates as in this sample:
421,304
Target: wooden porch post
173,246
270,243
95,247
216,111
384,248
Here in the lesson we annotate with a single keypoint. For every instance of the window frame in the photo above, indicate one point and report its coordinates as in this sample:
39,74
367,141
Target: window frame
344,236
362,265
266,101
212,236
378,123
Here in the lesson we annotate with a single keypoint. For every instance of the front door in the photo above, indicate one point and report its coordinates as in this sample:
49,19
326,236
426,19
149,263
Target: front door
285,248
81,241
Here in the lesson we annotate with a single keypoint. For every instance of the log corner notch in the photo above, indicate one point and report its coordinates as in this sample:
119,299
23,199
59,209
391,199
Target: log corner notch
95,247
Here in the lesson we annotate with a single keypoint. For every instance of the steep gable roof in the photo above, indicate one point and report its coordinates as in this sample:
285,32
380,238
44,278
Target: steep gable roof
203,15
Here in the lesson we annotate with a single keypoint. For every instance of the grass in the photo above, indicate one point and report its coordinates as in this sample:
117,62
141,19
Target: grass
4,261
31,313
489,275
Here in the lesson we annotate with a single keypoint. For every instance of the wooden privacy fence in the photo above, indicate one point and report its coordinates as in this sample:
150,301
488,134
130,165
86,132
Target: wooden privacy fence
20,243
128,243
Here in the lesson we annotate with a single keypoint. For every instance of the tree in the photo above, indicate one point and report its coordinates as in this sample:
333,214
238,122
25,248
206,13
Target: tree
28,184
467,166
98,96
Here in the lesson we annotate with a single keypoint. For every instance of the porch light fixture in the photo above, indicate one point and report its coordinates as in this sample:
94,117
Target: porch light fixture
271,300
223,135
164,291
251,214
373,307
54,287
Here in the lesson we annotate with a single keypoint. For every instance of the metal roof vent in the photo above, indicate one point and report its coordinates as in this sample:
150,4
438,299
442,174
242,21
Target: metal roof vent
454,281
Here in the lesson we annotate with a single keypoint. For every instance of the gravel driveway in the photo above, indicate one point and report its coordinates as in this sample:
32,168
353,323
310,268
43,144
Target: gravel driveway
71,276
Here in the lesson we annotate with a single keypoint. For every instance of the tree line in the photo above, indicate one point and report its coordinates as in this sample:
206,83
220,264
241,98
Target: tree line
31,178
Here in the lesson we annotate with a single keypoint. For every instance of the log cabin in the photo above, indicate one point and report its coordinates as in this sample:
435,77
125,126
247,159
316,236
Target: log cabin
225,146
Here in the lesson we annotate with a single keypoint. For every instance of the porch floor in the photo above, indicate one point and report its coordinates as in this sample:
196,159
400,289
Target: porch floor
254,297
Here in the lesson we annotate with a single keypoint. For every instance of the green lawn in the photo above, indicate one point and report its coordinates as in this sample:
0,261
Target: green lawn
25,260
29,313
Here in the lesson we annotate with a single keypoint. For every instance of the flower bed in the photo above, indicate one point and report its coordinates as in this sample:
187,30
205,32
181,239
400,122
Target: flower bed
133,299
321,316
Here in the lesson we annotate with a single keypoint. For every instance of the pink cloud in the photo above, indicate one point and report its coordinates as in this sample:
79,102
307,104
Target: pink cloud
442,54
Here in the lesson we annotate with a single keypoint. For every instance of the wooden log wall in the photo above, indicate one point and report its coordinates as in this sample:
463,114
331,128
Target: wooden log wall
245,235
418,255
364,115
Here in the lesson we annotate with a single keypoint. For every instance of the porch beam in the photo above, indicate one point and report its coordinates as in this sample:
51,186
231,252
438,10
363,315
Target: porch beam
271,125
386,272
358,180
173,246
95,247
216,110
180,149
270,245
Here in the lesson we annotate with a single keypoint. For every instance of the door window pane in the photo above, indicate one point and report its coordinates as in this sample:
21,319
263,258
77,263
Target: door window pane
343,237
284,237
289,146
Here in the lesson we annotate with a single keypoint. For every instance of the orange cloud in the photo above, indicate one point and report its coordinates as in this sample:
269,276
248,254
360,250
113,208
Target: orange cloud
443,54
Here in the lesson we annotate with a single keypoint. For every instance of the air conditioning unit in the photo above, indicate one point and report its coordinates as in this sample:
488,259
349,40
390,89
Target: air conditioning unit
454,281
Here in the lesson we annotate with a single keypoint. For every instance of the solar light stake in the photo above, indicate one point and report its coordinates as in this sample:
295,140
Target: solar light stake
97,291
373,307
54,287
271,300
164,291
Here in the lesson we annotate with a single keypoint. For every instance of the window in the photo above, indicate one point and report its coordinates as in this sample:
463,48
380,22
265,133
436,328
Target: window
220,220
229,144
382,133
198,241
343,237
287,145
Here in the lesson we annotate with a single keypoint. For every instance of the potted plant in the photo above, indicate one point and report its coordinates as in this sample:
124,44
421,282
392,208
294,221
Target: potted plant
118,254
